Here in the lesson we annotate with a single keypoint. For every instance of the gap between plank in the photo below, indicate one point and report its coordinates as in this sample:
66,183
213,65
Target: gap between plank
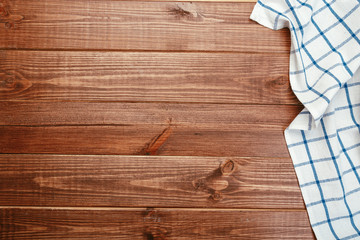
137,51
159,208
164,102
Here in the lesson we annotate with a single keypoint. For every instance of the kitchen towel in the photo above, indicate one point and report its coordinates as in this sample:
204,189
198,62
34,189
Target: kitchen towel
324,139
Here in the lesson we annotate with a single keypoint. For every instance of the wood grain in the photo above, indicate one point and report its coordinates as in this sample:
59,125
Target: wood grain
245,140
55,223
141,181
134,25
145,129
145,76
113,113
198,84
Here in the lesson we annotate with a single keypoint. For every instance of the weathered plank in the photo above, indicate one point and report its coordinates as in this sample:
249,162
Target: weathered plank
145,128
62,223
134,25
240,140
145,76
113,113
141,181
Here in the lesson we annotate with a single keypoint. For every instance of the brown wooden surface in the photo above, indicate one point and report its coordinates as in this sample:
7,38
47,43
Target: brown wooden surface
109,109
108,223
135,25
140,181
34,113
133,129
146,76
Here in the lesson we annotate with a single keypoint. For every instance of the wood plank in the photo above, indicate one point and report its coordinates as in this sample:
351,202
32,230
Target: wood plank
141,181
134,25
145,128
55,223
113,113
243,140
145,76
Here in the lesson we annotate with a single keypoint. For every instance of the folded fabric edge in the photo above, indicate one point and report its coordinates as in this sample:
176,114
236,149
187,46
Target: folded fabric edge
260,16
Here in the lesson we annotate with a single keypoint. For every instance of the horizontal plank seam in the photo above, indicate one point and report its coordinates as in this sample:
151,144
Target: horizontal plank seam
110,125
138,156
150,102
160,208
139,50
105,154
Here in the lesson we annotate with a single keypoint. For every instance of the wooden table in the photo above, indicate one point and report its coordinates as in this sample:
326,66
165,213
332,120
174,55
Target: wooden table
145,120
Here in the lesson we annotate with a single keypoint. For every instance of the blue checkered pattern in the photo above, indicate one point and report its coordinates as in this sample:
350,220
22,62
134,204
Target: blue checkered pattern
324,139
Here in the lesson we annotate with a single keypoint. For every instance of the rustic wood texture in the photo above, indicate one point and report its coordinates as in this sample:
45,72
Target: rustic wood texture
134,25
245,140
25,113
152,223
140,181
145,120
146,76
145,129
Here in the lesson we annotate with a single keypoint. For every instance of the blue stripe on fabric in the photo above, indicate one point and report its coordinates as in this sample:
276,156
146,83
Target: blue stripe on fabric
353,84
315,161
322,138
350,106
333,199
329,28
304,112
297,42
331,135
326,91
335,219
310,56
320,68
296,17
331,87
324,56
344,150
319,186
341,20
325,159
328,180
339,176
309,141
347,107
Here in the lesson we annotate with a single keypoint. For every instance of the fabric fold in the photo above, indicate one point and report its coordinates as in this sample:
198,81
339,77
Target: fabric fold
322,59
324,139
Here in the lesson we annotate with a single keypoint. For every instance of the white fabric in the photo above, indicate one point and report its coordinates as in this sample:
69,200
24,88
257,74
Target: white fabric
324,139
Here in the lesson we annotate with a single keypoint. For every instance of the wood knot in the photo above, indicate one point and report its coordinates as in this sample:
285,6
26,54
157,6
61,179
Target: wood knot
278,82
216,196
12,82
200,184
10,20
152,147
7,82
155,233
153,227
151,215
227,167
185,10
